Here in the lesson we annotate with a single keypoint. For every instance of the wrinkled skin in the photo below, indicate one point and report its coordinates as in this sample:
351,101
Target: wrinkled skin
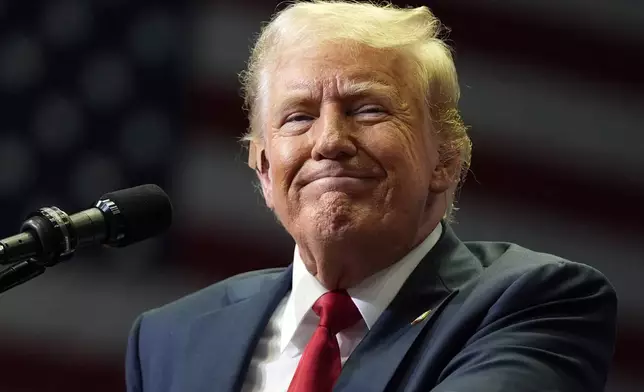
350,165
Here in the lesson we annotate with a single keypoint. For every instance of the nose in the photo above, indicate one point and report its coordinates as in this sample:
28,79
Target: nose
334,137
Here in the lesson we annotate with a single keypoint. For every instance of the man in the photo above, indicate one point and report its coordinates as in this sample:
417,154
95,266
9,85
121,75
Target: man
358,145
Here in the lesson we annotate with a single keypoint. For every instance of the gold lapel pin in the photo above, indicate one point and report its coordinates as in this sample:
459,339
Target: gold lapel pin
421,317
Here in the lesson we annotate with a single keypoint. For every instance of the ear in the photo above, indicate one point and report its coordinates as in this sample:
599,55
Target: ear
446,174
257,160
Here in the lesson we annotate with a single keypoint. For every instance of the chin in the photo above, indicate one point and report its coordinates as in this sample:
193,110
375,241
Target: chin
336,216
341,226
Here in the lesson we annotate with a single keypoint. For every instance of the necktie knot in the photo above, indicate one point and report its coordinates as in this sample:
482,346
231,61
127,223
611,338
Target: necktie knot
337,311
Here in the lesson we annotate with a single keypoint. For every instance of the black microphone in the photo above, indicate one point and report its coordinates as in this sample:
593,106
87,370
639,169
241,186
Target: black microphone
117,219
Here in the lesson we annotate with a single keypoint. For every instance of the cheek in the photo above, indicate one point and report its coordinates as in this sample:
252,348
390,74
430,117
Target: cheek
401,152
287,156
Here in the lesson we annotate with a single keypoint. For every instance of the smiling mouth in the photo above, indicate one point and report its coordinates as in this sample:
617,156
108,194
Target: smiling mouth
342,183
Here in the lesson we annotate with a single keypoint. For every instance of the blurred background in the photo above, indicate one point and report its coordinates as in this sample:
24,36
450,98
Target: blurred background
106,94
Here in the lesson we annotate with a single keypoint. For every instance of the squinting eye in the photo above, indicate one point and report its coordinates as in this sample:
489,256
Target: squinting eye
298,118
370,109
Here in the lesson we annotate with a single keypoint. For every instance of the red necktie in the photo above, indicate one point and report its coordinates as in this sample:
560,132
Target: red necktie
320,364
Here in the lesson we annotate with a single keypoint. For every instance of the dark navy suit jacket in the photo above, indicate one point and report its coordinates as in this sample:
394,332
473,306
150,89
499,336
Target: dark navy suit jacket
503,318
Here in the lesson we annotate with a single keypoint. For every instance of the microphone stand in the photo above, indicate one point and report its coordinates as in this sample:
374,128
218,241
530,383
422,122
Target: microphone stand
19,273
33,257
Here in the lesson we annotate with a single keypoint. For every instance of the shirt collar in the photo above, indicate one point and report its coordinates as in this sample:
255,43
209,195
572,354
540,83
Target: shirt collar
371,296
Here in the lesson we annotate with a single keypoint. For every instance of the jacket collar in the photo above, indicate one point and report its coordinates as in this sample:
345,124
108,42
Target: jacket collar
220,344
436,280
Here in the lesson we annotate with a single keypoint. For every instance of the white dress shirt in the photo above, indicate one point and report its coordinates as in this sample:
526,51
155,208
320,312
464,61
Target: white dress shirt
292,324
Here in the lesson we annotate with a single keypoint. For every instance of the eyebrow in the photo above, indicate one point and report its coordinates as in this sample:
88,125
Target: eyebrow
368,87
303,90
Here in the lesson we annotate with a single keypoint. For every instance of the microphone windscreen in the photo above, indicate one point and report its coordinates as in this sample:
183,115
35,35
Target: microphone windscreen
146,211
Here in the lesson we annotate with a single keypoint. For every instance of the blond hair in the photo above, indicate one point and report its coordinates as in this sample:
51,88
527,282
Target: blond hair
414,32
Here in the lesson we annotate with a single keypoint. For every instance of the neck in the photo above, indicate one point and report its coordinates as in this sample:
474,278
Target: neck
344,263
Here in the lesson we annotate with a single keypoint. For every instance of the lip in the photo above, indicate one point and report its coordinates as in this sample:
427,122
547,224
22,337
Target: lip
345,184
340,179
340,175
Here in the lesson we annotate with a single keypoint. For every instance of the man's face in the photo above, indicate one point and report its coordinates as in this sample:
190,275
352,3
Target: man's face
348,145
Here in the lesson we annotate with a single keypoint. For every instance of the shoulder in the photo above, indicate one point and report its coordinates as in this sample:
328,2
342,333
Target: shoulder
508,259
214,297
524,318
512,270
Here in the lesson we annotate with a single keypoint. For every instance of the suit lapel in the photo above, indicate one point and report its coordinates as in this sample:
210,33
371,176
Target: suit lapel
409,317
374,362
221,343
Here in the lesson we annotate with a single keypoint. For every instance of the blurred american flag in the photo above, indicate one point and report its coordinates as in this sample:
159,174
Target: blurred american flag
107,94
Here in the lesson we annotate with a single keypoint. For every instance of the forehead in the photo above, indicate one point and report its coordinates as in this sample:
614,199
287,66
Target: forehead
351,68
